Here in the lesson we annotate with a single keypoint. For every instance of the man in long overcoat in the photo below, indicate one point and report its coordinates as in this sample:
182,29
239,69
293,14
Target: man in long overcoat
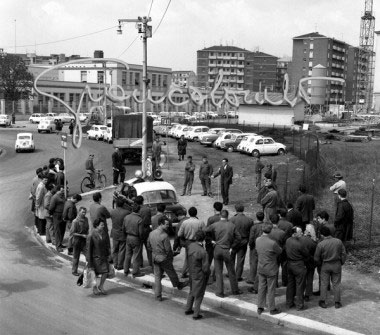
226,173
181,146
199,270
344,218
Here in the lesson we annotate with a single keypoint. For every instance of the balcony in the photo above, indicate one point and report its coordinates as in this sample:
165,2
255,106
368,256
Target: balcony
212,57
219,57
226,65
212,65
226,57
226,72
210,80
234,57
240,58
240,65
240,81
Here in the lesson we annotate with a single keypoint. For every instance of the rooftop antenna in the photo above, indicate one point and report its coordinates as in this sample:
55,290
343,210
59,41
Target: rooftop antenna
316,27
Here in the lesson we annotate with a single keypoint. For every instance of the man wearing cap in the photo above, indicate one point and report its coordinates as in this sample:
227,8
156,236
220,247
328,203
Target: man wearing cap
89,166
344,218
340,184
205,172
331,255
189,176
117,167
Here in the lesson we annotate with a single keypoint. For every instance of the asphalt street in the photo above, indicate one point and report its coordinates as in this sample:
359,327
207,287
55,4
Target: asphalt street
38,294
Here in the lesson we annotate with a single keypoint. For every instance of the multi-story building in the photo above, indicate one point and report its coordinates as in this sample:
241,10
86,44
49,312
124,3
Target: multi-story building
242,69
184,79
315,49
283,66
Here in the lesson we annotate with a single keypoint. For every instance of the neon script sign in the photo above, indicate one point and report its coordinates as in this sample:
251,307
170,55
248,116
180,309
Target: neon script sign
116,93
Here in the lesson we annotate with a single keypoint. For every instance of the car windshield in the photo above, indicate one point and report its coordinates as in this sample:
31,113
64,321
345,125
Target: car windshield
233,137
3,116
103,128
160,196
24,137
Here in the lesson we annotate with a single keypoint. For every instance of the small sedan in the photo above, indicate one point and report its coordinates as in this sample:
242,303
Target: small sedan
96,132
5,120
65,117
35,118
47,124
24,142
265,146
108,135
209,137
230,145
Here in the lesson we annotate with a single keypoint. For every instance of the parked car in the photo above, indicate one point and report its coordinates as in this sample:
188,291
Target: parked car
212,115
221,138
173,129
35,117
195,132
47,124
65,117
231,144
232,114
53,115
108,135
180,130
5,120
96,132
245,141
83,117
24,142
209,137
265,146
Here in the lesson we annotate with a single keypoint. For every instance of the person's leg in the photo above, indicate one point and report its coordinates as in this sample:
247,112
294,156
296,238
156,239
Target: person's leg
185,184
222,191
115,176
325,280
158,272
197,305
309,281
226,192
50,228
231,271
57,230
136,256
271,292
42,227
76,254
190,185
204,186
336,278
262,293
284,269
128,256
169,269
62,227
148,251
102,281
291,287
218,265
115,251
300,284
189,303
240,259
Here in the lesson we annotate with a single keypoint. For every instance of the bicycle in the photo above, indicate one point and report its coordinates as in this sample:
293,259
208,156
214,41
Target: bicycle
89,184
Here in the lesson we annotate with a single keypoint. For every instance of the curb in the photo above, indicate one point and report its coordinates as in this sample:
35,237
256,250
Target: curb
229,303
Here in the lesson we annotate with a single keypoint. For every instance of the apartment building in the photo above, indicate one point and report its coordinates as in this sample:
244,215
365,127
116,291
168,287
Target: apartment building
283,66
184,79
314,49
242,69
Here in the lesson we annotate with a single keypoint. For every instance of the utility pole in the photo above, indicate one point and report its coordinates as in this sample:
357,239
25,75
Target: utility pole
146,31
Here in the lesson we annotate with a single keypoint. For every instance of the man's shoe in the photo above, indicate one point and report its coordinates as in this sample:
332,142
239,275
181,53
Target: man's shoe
75,273
220,295
204,195
183,194
307,298
188,194
198,317
252,290
189,312
181,285
260,311
317,293
140,274
185,275
59,249
275,311
63,246
322,304
291,305
159,298
240,279
70,253
338,305
210,195
238,292
249,282
301,308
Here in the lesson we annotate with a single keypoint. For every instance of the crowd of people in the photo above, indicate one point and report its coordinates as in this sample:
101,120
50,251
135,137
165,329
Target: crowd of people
291,238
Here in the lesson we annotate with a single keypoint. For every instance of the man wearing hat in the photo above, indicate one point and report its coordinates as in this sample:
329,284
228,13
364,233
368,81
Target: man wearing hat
340,184
189,176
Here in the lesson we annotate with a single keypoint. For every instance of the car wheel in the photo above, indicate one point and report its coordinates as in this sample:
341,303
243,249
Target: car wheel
39,131
97,137
281,152
255,153
230,149
16,150
195,138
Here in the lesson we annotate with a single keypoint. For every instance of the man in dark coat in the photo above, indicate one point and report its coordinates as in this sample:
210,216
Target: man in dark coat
293,215
117,167
270,202
297,255
310,265
146,216
344,218
56,210
258,170
226,173
117,234
181,146
199,271
205,172
133,230
305,205
189,176
243,224
78,233
226,238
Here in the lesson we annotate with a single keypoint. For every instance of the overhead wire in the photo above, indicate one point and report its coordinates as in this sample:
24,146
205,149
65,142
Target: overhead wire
63,40
162,18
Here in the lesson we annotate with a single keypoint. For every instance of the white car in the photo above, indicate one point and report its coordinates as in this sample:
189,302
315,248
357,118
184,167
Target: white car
24,142
212,115
242,147
232,114
265,146
53,115
226,135
47,124
83,117
5,120
108,135
180,130
173,129
96,132
35,117
209,137
65,117
195,132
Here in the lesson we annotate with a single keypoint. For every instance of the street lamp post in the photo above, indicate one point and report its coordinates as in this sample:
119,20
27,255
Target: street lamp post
146,31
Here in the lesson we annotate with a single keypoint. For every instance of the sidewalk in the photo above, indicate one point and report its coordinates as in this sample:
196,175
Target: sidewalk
360,293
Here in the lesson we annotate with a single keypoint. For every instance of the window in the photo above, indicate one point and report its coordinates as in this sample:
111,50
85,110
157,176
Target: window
124,77
83,76
159,80
268,141
71,97
311,45
130,78
137,79
100,77
259,142
311,54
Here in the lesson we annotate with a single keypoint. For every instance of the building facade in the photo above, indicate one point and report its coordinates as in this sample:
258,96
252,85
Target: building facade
184,79
283,66
242,69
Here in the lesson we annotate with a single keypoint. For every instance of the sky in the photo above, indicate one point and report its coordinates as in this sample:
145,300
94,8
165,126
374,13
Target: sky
187,26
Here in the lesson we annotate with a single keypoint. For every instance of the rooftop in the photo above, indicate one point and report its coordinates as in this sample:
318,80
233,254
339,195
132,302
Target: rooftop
224,48
310,35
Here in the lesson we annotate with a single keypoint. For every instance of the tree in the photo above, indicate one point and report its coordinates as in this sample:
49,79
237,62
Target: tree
16,81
